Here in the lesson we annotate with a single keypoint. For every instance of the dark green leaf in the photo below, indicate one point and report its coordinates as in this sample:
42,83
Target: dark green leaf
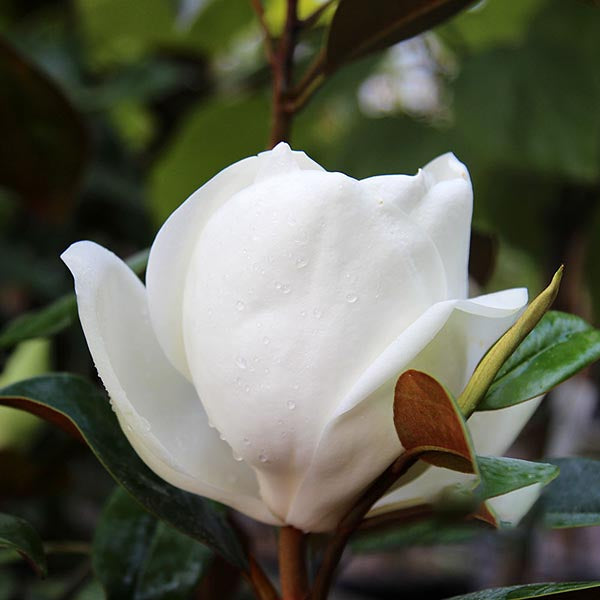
135,556
42,134
17,534
573,500
73,399
558,347
423,532
503,475
557,591
56,316
358,28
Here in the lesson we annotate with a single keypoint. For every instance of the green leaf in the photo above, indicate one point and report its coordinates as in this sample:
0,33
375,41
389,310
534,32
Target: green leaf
573,500
503,475
135,556
422,532
534,590
73,401
17,534
57,316
358,29
492,362
558,347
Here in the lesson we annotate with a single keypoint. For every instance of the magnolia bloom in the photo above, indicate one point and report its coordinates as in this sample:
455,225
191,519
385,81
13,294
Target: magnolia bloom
282,302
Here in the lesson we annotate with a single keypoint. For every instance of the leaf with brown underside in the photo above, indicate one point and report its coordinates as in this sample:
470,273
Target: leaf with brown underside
359,28
430,424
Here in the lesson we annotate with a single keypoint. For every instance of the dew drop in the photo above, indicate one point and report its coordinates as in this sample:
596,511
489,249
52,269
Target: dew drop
247,389
262,457
267,370
303,313
301,262
291,405
317,313
266,341
237,457
240,361
221,437
278,285
240,305
246,441
286,289
351,298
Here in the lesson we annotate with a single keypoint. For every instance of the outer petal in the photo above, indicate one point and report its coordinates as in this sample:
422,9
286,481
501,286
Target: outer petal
157,408
172,249
440,200
296,285
360,442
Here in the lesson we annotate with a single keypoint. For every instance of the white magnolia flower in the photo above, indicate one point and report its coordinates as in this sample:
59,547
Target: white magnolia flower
281,304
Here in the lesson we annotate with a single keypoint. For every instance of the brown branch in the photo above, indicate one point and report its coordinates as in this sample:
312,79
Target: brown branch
282,76
292,564
352,520
261,584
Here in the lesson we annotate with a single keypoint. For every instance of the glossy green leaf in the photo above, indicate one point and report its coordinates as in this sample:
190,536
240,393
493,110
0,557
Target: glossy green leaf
492,362
358,28
17,534
558,347
56,316
501,475
135,556
557,591
73,401
573,500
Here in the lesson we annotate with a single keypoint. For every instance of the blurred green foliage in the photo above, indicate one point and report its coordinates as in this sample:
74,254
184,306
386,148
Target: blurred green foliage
112,112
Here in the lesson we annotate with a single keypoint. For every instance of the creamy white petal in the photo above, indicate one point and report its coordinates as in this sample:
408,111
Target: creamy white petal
440,200
172,249
361,441
296,285
157,408
512,507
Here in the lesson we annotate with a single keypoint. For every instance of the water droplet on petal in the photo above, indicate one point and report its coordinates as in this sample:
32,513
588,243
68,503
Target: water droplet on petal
262,457
291,405
317,313
303,313
240,305
278,285
247,389
246,441
351,298
266,341
221,437
237,456
301,262
286,289
241,362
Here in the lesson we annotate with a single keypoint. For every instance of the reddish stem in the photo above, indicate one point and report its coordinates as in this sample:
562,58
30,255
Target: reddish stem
292,564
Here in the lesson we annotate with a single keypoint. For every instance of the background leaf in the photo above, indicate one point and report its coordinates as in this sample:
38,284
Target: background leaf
76,400
17,534
135,556
573,500
42,134
358,29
